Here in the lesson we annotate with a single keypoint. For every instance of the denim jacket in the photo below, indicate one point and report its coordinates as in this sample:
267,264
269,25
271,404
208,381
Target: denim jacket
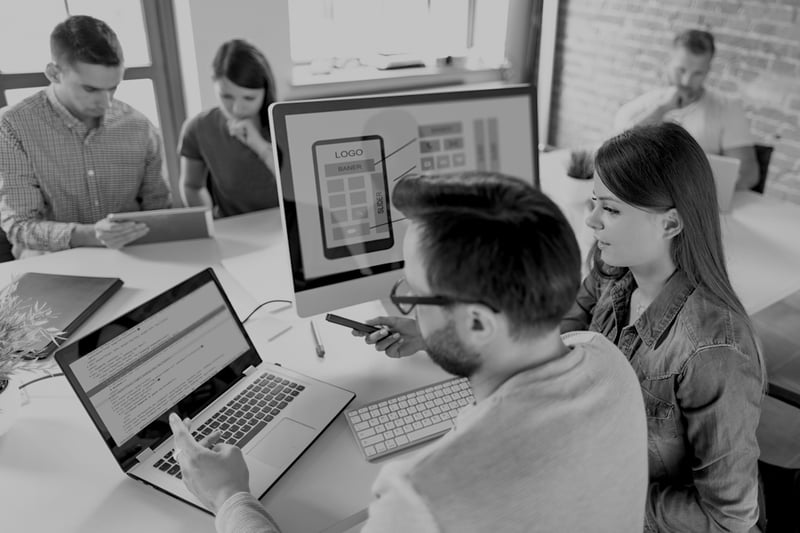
702,383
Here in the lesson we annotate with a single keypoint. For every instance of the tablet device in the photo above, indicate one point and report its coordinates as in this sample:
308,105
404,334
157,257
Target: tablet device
170,224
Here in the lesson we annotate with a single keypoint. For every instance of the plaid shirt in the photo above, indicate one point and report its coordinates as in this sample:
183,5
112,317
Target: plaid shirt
56,173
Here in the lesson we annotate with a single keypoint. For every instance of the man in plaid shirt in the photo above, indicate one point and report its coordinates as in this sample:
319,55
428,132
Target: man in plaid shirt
71,154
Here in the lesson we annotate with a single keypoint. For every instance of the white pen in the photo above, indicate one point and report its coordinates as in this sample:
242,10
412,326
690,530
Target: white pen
317,340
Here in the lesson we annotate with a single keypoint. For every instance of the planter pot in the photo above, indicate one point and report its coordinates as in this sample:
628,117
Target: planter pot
10,404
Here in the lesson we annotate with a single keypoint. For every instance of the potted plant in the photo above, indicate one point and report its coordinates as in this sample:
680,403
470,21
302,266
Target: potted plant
23,325
580,171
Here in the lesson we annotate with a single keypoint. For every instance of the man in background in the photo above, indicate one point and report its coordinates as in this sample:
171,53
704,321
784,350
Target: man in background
554,420
71,154
717,123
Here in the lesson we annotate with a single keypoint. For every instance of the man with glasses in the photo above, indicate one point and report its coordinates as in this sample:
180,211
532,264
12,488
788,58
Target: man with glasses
556,438
71,153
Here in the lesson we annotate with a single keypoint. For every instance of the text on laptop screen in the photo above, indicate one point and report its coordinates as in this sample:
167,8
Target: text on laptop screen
143,372
177,352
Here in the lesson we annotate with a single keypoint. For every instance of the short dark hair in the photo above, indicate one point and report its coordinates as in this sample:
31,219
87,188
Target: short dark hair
698,42
85,39
495,239
245,65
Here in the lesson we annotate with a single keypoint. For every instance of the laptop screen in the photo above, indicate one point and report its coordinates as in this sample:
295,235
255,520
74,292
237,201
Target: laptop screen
177,352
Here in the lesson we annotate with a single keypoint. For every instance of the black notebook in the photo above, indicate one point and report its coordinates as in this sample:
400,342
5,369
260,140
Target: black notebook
72,299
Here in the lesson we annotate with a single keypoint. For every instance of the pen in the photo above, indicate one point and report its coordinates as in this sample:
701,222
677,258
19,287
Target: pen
317,341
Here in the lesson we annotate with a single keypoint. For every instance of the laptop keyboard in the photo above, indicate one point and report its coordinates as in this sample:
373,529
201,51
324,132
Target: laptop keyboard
244,416
399,422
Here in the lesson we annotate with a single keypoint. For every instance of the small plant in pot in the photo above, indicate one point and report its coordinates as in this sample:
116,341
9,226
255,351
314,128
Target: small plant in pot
23,327
580,171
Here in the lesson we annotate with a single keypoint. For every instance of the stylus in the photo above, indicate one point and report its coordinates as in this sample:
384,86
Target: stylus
317,341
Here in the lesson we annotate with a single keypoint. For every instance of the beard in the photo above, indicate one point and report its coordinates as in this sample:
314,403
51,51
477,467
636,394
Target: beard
446,350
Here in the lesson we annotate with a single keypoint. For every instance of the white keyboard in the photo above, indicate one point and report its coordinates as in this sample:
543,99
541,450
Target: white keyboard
399,422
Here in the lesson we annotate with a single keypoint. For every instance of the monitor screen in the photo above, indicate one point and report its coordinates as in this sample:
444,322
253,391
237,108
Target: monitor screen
340,159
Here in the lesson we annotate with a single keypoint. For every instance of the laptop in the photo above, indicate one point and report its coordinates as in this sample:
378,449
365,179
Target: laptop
185,351
726,174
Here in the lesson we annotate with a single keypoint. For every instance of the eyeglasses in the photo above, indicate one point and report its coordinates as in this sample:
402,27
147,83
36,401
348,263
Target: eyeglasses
405,302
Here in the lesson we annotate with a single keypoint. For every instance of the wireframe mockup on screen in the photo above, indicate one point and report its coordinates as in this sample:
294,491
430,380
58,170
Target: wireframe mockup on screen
341,157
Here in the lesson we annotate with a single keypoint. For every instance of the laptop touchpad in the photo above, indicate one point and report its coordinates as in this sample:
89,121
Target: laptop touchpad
283,444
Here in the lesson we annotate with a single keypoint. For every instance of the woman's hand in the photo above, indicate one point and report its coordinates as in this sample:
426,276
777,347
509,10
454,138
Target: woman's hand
246,132
398,337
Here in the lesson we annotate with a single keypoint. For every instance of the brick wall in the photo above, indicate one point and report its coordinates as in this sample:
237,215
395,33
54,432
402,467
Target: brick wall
610,51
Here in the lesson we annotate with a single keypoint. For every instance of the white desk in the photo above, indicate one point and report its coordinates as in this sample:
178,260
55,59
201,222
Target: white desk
57,475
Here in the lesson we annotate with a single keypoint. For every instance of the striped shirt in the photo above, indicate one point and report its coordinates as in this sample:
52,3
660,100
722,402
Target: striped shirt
56,172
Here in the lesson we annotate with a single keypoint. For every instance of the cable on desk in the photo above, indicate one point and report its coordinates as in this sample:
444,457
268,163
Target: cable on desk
48,376
262,304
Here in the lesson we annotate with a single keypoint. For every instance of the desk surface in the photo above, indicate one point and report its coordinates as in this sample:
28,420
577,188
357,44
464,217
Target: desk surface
57,474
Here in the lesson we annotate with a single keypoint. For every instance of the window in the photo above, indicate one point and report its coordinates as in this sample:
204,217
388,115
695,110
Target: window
350,33
146,31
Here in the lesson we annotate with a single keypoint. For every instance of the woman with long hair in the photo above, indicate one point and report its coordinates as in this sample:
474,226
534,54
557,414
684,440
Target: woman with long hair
226,152
659,289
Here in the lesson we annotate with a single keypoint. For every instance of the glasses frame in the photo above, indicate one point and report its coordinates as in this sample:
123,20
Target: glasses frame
406,304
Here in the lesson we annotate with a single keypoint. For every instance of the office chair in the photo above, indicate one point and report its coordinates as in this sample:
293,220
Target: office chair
763,155
5,248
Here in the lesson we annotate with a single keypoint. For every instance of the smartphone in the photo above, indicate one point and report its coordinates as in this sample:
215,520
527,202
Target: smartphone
352,196
352,324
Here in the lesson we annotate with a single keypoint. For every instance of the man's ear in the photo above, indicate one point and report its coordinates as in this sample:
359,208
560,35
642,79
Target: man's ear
480,324
53,72
672,223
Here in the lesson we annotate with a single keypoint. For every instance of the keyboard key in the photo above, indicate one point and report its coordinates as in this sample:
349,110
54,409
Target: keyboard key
396,423
365,433
369,441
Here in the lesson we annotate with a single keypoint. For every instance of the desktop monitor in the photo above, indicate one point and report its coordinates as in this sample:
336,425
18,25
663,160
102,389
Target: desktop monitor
339,161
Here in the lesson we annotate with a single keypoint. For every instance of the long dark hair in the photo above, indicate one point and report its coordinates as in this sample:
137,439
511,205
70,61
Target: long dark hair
245,65
661,167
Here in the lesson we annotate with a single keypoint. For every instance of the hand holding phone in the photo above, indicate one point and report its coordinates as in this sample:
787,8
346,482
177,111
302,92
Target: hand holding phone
352,324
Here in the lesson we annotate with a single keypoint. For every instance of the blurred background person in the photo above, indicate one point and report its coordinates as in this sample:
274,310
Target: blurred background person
226,151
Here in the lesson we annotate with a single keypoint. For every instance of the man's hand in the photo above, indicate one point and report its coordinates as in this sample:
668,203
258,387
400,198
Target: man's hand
675,98
398,337
212,472
115,235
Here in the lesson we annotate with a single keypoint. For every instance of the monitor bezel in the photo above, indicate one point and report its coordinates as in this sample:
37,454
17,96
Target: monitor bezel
280,111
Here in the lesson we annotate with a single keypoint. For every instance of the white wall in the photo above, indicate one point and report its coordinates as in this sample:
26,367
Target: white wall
203,25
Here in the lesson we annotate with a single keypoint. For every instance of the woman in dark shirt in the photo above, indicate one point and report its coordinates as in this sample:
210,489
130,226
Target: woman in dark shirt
226,153
659,290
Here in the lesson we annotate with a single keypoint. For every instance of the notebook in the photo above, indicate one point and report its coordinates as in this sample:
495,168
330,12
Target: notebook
72,300
726,174
171,224
185,351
